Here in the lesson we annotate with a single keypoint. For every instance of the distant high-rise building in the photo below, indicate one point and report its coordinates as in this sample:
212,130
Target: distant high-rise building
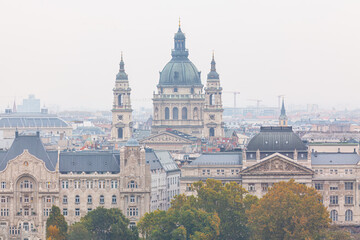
121,111
30,105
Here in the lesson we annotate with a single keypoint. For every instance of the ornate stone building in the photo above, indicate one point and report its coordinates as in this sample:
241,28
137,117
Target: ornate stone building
121,111
277,154
33,179
180,103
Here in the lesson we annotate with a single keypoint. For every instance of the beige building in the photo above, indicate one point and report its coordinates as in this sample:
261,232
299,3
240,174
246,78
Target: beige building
278,154
121,129
33,179
180,102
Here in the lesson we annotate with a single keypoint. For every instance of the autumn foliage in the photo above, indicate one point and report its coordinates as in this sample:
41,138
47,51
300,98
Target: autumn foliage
288,211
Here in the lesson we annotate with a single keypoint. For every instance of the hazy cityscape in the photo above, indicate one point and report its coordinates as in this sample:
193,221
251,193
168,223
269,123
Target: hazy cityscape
180,120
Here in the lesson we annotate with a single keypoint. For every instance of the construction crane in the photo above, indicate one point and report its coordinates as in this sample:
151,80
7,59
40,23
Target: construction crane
235,93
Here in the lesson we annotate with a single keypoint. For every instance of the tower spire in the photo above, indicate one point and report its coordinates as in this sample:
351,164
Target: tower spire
122,74
213,74
283,120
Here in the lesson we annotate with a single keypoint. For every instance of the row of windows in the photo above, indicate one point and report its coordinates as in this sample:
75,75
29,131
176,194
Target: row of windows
333,171
175,113
220,172
335,216
334,200
90,199
4,212
348,186
77,211
100,184
90,184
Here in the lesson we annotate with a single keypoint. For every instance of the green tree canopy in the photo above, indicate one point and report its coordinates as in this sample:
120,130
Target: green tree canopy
56,219
78,231
228,202
288,211
108,224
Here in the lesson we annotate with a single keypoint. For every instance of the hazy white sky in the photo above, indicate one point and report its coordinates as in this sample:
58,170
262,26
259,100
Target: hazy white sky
67,52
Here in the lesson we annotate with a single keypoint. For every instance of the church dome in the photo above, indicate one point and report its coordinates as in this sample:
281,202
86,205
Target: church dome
180,71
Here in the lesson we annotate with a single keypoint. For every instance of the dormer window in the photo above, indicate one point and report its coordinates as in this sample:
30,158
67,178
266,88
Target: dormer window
175,90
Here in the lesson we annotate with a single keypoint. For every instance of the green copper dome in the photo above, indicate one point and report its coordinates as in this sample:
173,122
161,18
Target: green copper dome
180,71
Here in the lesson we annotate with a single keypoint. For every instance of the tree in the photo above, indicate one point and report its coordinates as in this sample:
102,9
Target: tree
108,224
230,202
335,233
53,232
78,231
288,211
57,220
183,223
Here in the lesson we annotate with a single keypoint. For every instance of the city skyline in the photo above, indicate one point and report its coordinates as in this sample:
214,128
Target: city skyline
68,55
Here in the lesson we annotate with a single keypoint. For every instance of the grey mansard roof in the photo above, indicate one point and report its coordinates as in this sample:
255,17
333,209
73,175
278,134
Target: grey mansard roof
334,158
89,162
218,159
31,121
35,147
160,160
276,139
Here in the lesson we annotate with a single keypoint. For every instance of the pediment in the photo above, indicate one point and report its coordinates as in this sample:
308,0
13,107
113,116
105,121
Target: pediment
277,164
165,137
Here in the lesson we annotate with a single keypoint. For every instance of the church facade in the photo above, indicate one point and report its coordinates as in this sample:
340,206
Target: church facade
181,102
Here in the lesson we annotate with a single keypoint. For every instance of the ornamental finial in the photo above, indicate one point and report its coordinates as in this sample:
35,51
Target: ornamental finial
179,23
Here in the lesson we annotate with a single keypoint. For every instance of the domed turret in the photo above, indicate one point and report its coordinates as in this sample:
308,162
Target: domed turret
122,74
213,74
180,71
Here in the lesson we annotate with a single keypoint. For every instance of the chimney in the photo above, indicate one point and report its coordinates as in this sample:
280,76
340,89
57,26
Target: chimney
38,133
315,153
16,133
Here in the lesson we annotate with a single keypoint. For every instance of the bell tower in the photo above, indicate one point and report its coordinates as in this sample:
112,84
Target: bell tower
121,129
213,110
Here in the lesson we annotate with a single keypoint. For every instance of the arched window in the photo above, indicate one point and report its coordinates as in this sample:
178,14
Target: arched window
102,199
334,215
132,184
77,199
89,199
348,215
175,113
156,113
196,113
120,98
113,199
211,132
120,133
167,113
184,113
211,99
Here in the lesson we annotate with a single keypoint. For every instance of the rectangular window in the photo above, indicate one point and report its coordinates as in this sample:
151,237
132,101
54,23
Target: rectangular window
48,185
89,184
264,186
349,185
334,187
208,173
346,171
65,184
114,184
101,184
222,172
349,200
3,185
203,172
188,187
218,172
319,186
89,210
65,212
251,187
77,211
76,184
334,200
